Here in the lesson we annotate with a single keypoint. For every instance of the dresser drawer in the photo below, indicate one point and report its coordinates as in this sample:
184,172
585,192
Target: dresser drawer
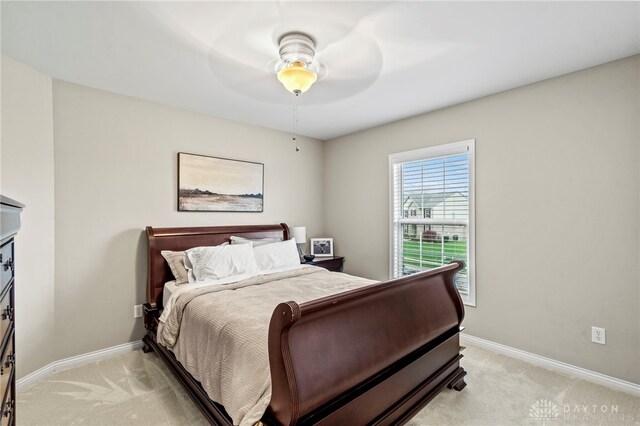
6,264
8,408
6,312
7,366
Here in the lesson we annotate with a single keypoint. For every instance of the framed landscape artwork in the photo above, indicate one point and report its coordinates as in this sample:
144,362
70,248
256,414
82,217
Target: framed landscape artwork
212,184
322,247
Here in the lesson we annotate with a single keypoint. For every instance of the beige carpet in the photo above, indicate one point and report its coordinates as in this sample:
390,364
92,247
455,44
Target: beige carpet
136,389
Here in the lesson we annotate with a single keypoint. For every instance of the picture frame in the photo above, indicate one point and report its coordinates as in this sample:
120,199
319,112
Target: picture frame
215,184
322,247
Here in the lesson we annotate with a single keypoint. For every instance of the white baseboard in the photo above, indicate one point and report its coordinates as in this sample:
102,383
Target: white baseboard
561,367
74,361
35,377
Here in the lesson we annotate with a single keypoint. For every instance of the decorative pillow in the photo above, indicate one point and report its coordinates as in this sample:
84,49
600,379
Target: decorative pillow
176,259
277,255
213,263
180,265
257,242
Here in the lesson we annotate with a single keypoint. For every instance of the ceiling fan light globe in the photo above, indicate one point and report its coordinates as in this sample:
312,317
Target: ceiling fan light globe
296,78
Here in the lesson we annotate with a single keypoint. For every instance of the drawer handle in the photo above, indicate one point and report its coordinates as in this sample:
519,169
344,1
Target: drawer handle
8,409
9,265
10,360
7,313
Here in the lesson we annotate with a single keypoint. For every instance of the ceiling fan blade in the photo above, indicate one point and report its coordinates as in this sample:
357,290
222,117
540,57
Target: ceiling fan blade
243,57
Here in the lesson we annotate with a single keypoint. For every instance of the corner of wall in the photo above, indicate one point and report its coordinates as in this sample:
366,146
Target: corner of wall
27,175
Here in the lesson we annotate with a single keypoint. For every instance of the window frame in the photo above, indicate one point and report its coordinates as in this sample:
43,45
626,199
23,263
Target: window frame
434,152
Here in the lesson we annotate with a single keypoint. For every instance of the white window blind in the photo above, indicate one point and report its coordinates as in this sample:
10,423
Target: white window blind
432,219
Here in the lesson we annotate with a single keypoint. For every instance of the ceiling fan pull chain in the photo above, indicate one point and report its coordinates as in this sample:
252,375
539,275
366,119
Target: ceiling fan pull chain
295,121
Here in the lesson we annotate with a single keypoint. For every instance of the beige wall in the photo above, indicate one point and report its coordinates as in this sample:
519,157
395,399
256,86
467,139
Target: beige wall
557,188
115,173
26,162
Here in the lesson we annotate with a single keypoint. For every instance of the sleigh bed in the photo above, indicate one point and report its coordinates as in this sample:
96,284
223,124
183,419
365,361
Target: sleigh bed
373,355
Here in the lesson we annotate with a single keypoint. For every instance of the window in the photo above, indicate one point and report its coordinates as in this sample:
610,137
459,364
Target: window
438,182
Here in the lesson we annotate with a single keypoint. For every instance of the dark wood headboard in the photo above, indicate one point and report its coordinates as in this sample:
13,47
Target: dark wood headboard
178,239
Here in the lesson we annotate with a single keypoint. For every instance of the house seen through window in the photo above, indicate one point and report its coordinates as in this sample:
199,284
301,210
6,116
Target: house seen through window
432,204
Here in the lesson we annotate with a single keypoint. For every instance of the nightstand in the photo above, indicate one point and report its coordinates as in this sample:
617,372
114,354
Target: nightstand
333,264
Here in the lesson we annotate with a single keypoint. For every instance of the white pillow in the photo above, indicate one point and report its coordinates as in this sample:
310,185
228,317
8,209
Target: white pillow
277,255
213,263
180,265
257,242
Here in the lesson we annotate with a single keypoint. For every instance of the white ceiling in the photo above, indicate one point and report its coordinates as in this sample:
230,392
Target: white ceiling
386,61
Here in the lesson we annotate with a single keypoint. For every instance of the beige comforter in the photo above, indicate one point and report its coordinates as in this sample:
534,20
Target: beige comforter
219,333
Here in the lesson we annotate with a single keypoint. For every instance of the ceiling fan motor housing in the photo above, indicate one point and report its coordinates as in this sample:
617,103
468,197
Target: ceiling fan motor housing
297,47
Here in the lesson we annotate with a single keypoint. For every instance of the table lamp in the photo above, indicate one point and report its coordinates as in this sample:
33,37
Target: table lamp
300,235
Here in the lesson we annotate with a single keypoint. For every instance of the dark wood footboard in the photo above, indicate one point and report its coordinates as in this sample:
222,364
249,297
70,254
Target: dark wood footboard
371,355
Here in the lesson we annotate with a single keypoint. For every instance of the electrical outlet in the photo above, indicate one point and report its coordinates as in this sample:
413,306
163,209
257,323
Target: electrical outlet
137,311
598,335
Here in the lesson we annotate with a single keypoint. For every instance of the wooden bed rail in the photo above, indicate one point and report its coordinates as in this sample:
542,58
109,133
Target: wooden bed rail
328,349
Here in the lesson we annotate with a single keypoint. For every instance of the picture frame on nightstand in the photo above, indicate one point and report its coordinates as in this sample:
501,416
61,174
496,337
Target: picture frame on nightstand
322,247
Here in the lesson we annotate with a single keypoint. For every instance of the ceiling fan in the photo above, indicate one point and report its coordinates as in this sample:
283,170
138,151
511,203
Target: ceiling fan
290,46
297,67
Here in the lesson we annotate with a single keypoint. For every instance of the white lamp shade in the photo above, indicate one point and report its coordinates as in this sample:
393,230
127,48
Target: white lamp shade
299,233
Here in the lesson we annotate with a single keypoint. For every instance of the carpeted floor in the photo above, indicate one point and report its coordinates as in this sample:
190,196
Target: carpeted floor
137,389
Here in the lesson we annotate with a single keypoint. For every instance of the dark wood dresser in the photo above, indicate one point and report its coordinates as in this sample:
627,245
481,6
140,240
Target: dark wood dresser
9,226
334,263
